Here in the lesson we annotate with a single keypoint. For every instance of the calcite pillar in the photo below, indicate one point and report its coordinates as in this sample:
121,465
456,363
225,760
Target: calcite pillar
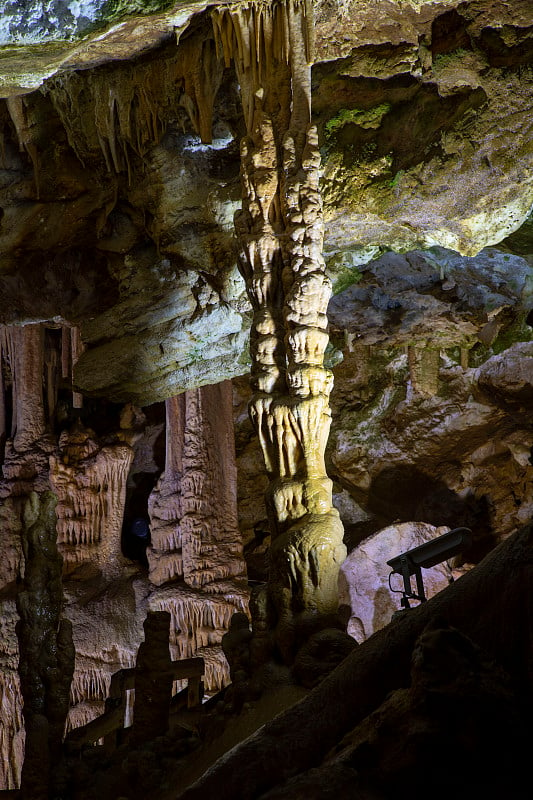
195,556
280,229
193,509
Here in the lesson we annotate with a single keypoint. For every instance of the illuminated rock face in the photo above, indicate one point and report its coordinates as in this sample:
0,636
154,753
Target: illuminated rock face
90,483
193,521
364,578
119,194
280,232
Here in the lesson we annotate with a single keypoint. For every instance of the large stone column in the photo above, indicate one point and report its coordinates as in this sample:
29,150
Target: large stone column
195,556
280,229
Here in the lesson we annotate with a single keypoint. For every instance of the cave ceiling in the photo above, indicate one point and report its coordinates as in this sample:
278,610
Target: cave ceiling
119,168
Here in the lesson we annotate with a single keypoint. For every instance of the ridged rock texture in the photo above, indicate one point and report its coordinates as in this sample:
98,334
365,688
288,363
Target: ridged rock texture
195,554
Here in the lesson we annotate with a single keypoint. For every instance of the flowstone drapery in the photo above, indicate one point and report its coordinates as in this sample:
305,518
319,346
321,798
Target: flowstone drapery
280,230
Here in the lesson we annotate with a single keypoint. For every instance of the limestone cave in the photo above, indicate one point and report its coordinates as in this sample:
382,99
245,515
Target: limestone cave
266,392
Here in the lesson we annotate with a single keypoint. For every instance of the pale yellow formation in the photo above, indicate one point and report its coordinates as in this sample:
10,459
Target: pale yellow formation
280,229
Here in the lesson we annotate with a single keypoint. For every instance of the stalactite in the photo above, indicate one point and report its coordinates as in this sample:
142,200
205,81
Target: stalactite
65,352
124,112
280,229
174,410
16,106
77,349
3,421
198,622
51,364
25,349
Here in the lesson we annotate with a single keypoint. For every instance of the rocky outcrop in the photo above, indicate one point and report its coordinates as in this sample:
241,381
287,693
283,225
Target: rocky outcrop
366,583
478,660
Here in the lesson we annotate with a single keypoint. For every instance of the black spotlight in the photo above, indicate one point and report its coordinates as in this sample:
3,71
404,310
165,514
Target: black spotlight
427,555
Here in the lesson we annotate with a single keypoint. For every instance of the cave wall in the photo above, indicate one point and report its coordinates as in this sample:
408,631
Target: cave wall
119,168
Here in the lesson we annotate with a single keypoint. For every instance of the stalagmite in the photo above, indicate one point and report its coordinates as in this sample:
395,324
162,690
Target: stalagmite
46,660
280,228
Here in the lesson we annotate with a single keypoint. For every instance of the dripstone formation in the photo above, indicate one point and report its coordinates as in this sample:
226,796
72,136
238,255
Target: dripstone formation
266,301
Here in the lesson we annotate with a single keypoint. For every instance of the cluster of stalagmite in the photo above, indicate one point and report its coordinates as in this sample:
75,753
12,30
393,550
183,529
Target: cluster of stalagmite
33,365
280,229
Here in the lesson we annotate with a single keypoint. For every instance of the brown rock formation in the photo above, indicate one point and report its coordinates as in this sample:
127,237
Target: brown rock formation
90,483
364,583
192,510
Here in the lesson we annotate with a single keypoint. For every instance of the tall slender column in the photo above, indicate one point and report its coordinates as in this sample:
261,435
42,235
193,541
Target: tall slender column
280,228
